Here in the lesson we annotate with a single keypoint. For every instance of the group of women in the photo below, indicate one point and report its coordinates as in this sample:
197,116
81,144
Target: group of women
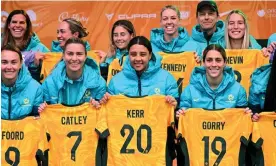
22,54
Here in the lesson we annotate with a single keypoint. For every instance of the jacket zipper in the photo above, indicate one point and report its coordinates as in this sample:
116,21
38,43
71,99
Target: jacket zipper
214,103
9,107
139,86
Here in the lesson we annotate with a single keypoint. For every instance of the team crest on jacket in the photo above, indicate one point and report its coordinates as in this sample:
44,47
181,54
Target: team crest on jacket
157,91
87,93
26,102
231,98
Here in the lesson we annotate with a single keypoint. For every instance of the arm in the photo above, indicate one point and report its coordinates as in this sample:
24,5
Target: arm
38,100
186,98
253,101
101,90
171,87
111,89
242,98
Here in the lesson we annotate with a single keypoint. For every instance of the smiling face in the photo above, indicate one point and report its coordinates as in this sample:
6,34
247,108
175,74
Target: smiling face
170,22
74,57
207,18
236,26
18,26
64,33
214,64
121,37
10,66
139,57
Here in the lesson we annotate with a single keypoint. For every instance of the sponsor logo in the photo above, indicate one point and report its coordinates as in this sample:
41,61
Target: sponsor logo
131,16
196,99
109,16
230,99
267,12
78,16
31,14
26,102
184,15
87,94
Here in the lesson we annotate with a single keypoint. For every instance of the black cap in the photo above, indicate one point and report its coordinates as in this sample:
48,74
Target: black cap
210,3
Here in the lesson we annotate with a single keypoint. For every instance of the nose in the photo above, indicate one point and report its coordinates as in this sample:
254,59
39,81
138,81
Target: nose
214,63
58,34
235,25
206,16
9,66
74,57
169,21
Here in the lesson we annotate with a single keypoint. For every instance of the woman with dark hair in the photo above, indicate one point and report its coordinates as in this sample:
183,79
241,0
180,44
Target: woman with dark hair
20,93
68,28
18,32
262,93
121,33
142,74
213,85
76,78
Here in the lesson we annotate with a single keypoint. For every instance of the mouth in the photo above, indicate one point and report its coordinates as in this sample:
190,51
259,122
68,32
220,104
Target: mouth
9,72
236,32
17,31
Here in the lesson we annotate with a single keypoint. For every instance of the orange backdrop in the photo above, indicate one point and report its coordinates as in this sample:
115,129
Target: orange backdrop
98,16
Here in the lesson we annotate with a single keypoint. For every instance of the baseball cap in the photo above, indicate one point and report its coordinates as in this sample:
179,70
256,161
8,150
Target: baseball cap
204,3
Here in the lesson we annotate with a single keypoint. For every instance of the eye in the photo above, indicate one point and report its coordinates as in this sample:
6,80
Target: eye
4,62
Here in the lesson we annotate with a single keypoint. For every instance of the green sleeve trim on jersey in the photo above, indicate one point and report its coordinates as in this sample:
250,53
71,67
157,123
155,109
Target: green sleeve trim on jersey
242,151
40,158
179,136
184,149
172,124
244,140
103,134
259,143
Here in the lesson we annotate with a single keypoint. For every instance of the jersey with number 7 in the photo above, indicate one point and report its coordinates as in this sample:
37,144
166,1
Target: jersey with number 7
73,139
214,137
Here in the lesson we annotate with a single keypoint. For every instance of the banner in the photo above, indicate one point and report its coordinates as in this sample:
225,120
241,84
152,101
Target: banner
99,16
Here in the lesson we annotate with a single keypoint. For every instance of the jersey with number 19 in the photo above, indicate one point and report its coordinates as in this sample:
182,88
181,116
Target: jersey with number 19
138,130
264,136
22,141
214,137
73,139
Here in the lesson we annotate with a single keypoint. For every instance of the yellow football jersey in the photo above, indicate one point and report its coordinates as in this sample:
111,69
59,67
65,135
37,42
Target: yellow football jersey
180,65
22,141
264,135
114,68
73,138
244,62
138,130
214,137
52,58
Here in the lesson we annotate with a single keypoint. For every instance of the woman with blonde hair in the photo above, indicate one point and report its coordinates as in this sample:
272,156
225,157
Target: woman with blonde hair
237,32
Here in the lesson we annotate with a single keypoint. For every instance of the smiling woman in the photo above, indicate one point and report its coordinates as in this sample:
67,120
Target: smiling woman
76,79
237,32
213,85
20,94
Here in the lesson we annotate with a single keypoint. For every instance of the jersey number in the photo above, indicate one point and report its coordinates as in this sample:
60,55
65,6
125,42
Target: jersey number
139,139
238,76
220,153
180,84
77,143
17,156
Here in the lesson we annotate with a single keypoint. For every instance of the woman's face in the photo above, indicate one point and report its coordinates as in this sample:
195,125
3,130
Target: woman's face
170,22
214,64
64,33
10,66
121,37
139,57
74,57
236,26
18,26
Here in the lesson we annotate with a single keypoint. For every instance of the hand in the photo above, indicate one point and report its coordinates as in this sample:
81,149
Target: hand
269,50
181,111
95,103
102,55
38,56
248,111
41,107
197,58
171,100
105,98
255,117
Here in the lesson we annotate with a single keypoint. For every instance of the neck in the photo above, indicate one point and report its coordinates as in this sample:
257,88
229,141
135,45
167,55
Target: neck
209,31
18,42
74,75
214,82
236,43
169,38
9,82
